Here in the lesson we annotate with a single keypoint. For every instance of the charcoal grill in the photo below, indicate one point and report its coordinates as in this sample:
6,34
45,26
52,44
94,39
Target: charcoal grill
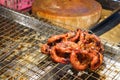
21,59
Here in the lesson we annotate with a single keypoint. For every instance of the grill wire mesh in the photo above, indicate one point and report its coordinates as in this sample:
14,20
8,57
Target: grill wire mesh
21,58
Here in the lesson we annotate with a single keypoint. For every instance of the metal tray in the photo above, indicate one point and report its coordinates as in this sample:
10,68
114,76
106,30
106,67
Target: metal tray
21,59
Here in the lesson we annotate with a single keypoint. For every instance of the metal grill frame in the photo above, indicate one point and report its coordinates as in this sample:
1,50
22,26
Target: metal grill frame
32,22
40,66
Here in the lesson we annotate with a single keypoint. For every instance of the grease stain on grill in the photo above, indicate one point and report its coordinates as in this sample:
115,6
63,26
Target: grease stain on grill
92,78
89,75
70,77
66,72
83,76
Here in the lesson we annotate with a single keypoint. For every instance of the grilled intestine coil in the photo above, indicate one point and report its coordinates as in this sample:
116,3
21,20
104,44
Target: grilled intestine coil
80,48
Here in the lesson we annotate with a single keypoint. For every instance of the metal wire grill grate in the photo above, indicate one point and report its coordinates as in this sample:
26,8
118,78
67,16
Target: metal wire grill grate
21,58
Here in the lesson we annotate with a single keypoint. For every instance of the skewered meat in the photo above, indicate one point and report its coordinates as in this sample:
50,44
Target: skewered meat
82,49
